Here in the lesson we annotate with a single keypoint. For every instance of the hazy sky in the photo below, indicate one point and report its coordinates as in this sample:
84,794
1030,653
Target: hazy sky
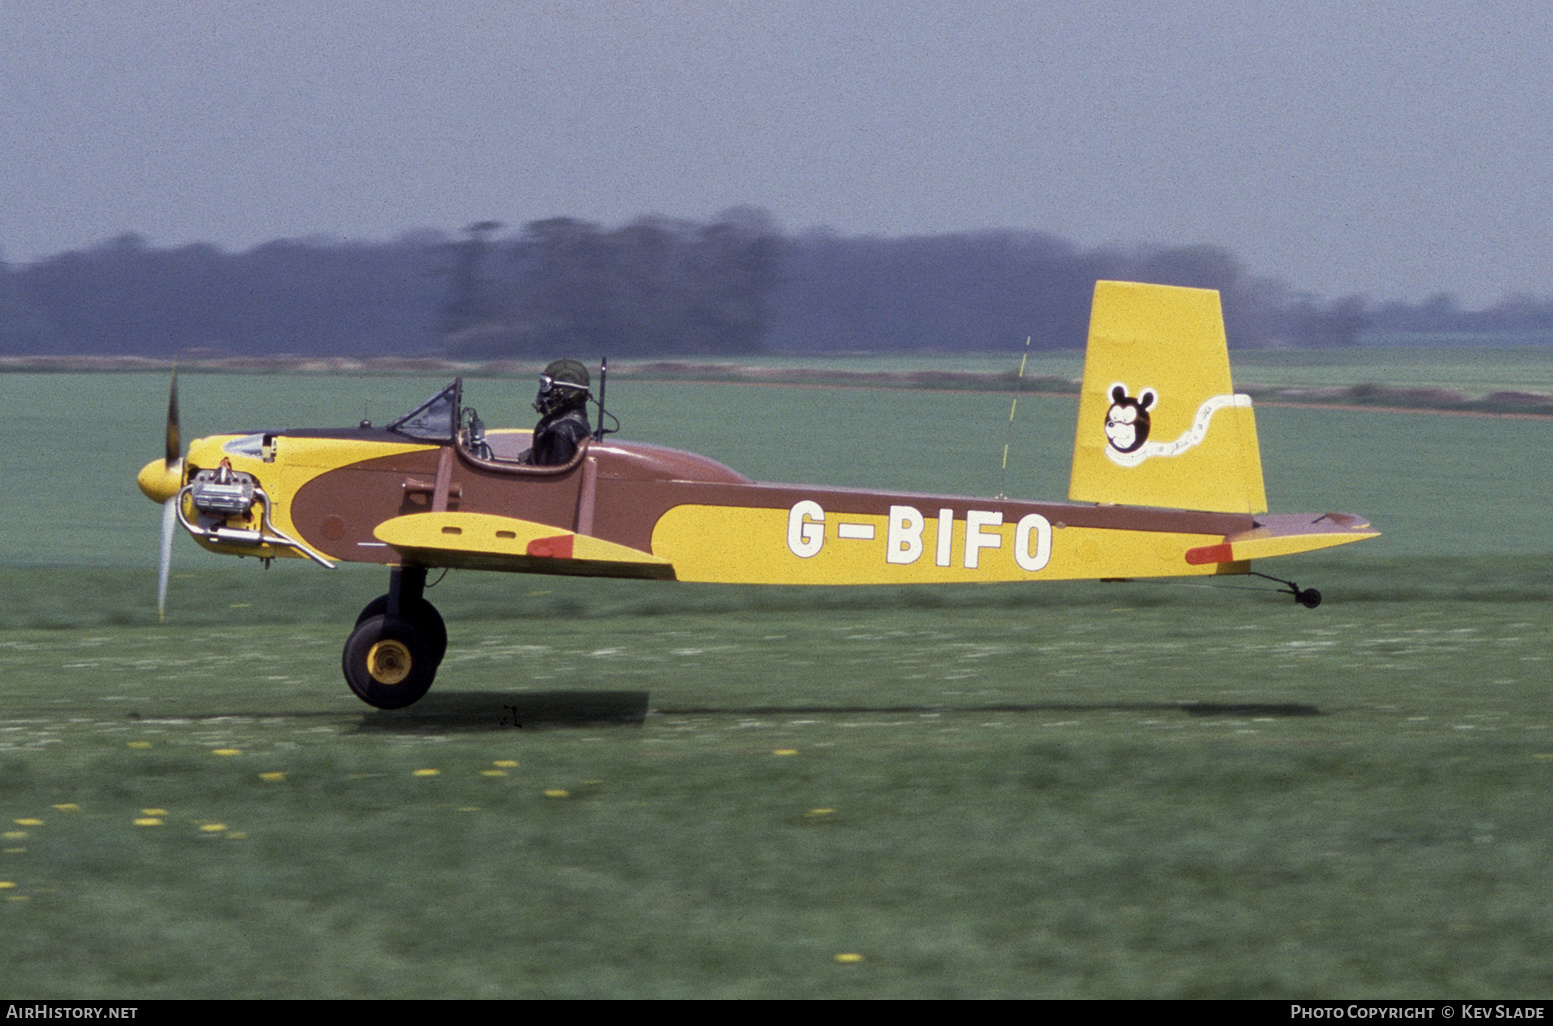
1395,149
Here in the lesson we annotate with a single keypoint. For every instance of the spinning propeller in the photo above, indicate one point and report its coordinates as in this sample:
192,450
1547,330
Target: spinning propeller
161,481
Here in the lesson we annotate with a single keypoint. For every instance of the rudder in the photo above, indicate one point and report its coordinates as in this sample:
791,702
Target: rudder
1159,423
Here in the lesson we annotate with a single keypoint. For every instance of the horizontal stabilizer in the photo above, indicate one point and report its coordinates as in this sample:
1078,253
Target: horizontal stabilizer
1285,534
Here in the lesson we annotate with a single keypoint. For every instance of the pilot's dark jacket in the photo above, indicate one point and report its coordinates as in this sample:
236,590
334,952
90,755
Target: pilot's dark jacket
556,437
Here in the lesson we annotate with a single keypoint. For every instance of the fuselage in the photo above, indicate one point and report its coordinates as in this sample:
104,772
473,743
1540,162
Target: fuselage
372,496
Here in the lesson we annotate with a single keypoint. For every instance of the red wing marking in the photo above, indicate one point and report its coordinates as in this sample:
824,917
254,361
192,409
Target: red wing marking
1221,553
558,547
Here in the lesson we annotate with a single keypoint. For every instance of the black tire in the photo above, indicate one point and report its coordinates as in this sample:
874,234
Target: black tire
424,616
1310,598
388,662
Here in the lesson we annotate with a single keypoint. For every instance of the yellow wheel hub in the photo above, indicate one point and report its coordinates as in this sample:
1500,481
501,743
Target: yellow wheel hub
389,662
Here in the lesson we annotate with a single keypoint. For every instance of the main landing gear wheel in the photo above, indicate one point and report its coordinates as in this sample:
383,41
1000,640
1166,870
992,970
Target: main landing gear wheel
389,661
421,613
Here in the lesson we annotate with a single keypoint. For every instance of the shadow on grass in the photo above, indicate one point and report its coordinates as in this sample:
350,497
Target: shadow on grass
526,710
471,711
1190,708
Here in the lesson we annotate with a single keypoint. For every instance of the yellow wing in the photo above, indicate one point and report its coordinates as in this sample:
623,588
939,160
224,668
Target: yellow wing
484,541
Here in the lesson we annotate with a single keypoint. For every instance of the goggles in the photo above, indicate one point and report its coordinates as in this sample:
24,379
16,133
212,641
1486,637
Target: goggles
547,384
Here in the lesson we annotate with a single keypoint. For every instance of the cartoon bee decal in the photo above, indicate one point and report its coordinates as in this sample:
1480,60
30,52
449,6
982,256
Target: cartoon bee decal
1127,419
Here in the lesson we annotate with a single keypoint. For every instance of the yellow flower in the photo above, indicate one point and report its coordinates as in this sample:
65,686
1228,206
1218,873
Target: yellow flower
505,763
822,812
68,807
226,751
140,744
785,751
14,835
493,773
849,957
153,812
272,778
29,822
556,792
148,821
212,828
427,772
6,885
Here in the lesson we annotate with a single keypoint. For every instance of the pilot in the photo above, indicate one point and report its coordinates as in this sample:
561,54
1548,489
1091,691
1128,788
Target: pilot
563,408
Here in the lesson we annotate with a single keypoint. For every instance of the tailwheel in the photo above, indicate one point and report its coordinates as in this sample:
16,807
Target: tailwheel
421,613
1310,598
389,661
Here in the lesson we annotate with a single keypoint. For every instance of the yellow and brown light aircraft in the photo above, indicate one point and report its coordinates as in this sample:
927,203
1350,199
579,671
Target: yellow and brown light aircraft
1166,482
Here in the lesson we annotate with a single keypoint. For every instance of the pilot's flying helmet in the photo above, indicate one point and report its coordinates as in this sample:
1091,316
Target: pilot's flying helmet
564,383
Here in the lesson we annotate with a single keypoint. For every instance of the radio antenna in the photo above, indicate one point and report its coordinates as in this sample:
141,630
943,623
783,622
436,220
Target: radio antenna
1009,438
601,431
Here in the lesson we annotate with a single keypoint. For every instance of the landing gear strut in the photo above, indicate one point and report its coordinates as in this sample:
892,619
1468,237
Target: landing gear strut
1310,598
392,655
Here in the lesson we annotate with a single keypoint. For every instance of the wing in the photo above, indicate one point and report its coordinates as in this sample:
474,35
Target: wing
485,541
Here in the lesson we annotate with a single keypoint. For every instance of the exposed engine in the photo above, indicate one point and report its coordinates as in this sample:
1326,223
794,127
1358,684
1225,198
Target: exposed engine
222,492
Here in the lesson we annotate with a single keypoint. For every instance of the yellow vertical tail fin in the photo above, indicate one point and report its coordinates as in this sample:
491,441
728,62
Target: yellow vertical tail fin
1159,423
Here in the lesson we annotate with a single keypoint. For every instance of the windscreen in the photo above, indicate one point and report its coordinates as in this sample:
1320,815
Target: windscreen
435,420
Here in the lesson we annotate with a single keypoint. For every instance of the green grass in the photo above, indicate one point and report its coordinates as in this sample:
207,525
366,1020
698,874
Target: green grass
1023,804
1152,790
1472,369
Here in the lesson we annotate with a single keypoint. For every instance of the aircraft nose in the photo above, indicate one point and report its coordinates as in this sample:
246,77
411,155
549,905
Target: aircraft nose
160,480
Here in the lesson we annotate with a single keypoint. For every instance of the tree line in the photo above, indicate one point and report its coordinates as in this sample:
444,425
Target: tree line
735,284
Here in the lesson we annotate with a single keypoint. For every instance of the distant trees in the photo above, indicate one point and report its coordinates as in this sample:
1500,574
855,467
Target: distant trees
1440,314
652,286
731,285
23,327
990,289
945,292
289,296
467,304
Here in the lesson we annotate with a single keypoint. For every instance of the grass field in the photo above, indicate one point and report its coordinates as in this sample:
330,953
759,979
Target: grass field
635,789
1475,369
